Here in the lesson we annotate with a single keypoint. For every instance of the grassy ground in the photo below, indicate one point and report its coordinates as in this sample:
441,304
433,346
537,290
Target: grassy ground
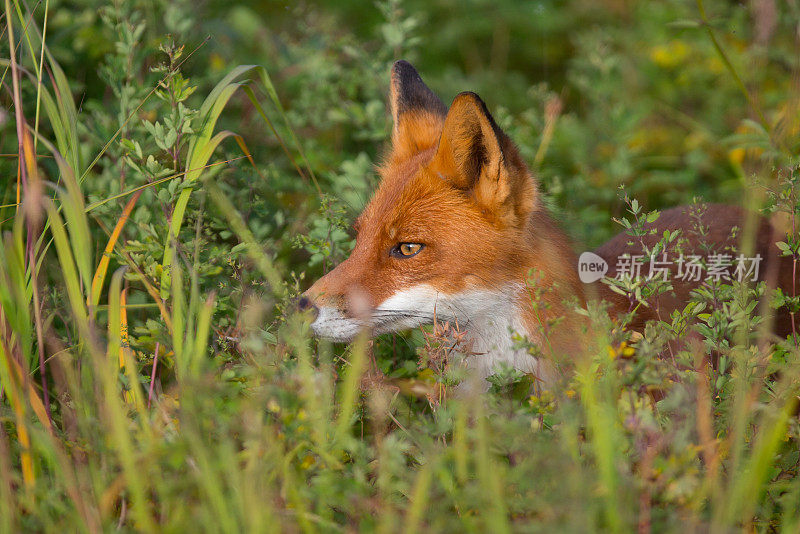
176,173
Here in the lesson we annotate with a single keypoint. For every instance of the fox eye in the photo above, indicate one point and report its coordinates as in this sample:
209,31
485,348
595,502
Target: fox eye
406,250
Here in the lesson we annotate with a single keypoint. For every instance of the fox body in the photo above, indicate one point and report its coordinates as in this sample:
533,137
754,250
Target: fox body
452,233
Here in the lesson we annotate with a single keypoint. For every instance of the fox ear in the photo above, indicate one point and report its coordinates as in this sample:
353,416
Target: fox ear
417,112
475,155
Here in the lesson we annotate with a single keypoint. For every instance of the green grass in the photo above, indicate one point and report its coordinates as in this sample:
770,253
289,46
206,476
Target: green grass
154,376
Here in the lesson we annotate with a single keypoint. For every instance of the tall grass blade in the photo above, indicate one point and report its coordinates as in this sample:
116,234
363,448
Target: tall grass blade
350,388
102,267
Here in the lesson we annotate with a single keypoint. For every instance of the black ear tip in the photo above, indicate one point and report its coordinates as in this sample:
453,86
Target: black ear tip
404,72
410,92
402,64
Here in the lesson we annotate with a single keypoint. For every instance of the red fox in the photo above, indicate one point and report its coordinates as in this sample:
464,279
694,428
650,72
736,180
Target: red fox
455,227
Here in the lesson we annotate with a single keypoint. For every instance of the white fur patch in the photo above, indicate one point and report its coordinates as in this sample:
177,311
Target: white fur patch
332,324
489,317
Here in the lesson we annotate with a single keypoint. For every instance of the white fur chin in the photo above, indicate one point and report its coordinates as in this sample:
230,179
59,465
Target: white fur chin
333,325
489,317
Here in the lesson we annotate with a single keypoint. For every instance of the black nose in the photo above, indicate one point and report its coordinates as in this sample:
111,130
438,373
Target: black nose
304,304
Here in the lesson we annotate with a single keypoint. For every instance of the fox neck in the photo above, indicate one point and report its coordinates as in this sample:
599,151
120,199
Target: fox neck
493,334
528,308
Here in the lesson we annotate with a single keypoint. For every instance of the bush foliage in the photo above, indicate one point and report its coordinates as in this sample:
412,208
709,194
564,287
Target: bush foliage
177,172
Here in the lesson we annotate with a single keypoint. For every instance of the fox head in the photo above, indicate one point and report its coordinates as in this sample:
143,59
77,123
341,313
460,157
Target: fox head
451,232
